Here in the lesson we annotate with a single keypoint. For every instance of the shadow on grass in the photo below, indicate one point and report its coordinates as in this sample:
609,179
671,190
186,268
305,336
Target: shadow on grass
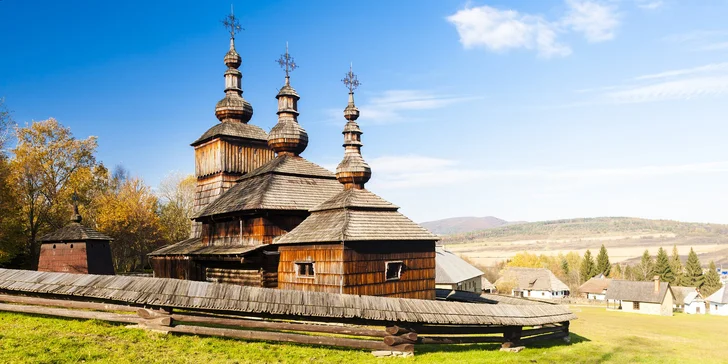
460,348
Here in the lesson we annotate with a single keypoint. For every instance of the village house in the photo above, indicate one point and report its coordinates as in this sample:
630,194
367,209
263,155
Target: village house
681,294
533,283
454,273
718,302
694,303
653,298
76,248
265,216
595,288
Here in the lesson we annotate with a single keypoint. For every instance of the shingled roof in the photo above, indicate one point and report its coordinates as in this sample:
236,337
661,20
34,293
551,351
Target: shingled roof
681,293
451,269
534,279
355,215
285,183
194,246
637,291
74,232
720,296
235,130
595,285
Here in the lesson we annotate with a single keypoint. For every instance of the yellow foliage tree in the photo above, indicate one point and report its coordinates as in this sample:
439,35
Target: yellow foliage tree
48,165
177,194
128,213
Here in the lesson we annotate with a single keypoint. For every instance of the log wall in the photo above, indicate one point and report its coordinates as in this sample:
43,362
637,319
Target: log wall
178,267
248,231
359,268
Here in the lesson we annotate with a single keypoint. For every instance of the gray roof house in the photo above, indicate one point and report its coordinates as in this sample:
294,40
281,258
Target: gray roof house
453,272
718,302
651,297
532,282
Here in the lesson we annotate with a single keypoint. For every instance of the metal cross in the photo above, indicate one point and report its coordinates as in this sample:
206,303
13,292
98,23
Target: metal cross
231,23
351,80
286,62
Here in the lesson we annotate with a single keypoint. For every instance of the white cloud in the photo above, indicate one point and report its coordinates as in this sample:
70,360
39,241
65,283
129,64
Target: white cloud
411,171
649,4
596,21
672,90
686,71
502,30
392,106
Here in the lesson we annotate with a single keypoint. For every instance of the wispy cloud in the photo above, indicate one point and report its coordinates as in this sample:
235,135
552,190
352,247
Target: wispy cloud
701,40
649,4
397,106
687,71
500,30
409,171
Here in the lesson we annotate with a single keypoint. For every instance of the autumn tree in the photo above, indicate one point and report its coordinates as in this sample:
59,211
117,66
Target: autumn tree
177,195
662,266
128,213
525,260
676,267
629,273
712,281
11,231
646,269
693,271
617,272
603,265
588,267
48,165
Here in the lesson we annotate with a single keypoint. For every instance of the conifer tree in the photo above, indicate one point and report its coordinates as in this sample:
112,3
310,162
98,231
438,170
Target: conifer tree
603,265
712,281
587,269
565,265
646,269
693,276
629,273
617,272
662,266
676,266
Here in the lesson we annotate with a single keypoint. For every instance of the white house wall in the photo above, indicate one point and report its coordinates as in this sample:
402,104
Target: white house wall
718,309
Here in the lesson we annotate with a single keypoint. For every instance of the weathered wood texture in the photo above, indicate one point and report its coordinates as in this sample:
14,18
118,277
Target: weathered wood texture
248,231
328,267
93,257
230,155
66,303
241,300
178,267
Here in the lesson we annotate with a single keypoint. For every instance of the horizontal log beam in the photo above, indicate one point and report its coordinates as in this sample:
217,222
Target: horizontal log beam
259,324
543,330
397,330
397,340
459,339
288,337
62,312
557,335
460,329
66,303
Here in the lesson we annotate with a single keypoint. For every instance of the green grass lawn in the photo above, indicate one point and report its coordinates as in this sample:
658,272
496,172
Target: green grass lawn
598,336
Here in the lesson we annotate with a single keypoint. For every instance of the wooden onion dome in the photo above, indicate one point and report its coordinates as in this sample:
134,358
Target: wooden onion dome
287,137
353,172
233,107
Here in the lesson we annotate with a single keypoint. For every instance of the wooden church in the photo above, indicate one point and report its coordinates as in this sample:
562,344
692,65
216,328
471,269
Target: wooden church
265,216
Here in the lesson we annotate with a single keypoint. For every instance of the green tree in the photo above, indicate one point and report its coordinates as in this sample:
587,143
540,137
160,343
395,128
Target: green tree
646,268
11,229
588,267
662,266
712,281
564,265
603,265
676,266
177,197
693,276
629,273
617,272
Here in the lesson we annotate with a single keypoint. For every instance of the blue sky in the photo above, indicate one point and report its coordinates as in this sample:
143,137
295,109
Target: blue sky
525,110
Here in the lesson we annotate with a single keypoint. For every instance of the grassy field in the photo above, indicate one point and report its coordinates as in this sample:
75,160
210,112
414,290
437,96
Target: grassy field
598,336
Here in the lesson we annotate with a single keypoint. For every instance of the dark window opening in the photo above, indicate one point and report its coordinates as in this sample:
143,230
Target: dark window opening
394,270
305,269
71,246
635,305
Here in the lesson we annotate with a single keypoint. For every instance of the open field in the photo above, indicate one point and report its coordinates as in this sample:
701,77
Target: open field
598,336
625,238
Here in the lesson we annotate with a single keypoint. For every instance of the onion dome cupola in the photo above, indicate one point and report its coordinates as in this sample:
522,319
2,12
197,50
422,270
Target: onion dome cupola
233,107
353,171
287,137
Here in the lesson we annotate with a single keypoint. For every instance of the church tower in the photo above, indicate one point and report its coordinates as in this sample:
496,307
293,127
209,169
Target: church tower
233,147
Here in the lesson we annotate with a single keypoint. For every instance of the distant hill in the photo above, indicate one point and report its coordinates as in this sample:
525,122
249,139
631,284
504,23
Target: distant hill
588,228
455,225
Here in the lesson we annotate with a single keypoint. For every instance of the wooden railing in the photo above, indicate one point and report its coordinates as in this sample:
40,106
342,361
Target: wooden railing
394,337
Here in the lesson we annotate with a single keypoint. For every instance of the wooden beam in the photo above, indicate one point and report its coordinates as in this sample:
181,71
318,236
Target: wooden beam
460,329
543,330
62,312
397,340
288,337
397,330
66,303
459,340
259,324
556,335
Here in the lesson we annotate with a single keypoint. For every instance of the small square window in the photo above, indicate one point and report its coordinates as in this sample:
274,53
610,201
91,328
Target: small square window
304,269
635,305
394,270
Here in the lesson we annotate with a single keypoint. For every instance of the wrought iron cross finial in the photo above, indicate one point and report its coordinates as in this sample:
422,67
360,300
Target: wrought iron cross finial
286,62
351,80
231,23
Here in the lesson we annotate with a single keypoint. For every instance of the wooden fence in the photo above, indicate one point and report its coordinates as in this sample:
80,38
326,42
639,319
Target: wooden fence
399,337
